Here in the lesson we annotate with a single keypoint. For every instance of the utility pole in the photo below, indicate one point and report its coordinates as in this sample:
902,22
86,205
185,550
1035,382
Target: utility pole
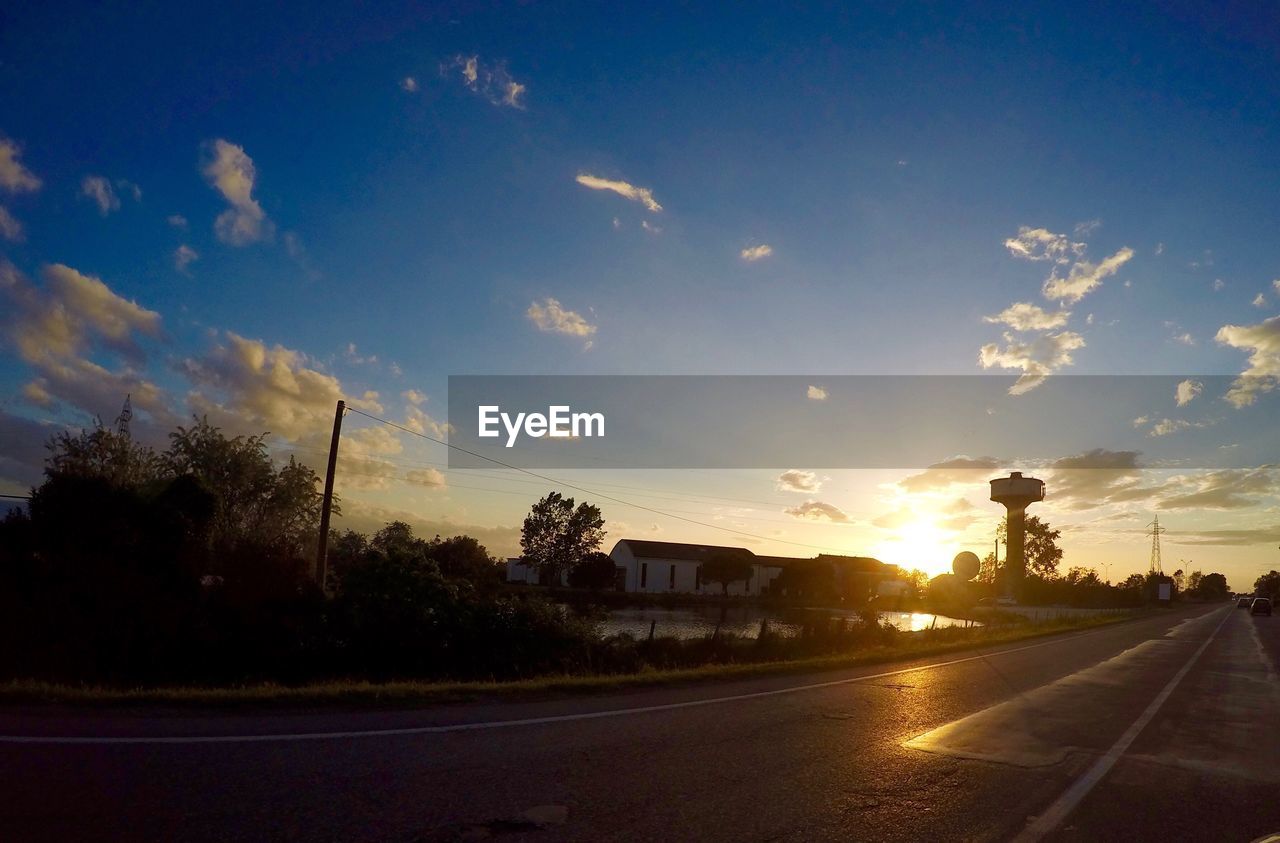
322,552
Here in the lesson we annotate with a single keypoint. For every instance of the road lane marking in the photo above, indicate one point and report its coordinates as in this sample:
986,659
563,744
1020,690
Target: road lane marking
1053,816
501,724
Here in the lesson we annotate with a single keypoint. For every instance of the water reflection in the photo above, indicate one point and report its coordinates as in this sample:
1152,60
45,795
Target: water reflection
700,621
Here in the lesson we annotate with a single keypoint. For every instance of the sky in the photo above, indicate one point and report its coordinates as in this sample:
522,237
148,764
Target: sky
250,214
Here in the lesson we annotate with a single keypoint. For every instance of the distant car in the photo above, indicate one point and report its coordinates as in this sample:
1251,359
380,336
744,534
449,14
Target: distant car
1244,602
1261,606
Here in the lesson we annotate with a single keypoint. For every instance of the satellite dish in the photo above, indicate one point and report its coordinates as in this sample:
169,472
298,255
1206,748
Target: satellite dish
966,565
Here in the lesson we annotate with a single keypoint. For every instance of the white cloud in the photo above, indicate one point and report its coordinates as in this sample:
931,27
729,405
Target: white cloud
1024,316
362,462
1219,285
14,177
354,356
1184,338
1040,244
408,84
36,394
1084,277
298,253
414,397
1262,341
794,480
550,317
58,328
1276,285
1140,421
960,470
1259,300
176,220
1037,359
100,191
184,256
1187,391
1159,250
755,253
643,195
247,386
420,422
816,393
10,228
512,94
1084,229
491,81
78,309
1165,427
429,477
231,172
817,511
650,227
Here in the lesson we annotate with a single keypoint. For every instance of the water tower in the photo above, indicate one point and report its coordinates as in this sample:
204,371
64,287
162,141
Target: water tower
1016,493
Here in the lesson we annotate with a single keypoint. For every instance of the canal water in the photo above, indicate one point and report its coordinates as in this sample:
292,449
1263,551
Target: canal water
700,621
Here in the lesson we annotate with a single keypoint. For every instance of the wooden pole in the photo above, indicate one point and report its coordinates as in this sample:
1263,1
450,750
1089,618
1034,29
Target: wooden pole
322,552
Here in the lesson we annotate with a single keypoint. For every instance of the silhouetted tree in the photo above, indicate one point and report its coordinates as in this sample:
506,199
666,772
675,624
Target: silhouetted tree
556,535
1040,545
726,567
595,572
1133,582
253,499
104,453
397,539
987,570
1212,587
1268,585
466,558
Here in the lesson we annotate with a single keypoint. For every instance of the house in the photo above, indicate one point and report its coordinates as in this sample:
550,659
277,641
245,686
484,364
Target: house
657,567
518,571
660,567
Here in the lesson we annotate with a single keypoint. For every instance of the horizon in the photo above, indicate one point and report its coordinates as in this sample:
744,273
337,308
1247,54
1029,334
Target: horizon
256,223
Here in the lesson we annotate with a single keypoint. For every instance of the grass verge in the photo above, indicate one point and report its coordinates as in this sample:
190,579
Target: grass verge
411,692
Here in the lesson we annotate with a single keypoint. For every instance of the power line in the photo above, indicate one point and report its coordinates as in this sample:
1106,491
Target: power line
587,491
346,472
708,500
645,491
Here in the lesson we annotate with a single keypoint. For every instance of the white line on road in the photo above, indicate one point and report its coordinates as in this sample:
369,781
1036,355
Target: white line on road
500,724
1067,802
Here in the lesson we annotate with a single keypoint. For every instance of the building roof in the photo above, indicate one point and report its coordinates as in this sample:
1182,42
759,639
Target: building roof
643,549
677,550
778,561
857,563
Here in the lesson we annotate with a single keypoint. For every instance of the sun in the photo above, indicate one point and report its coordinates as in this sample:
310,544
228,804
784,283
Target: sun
921,544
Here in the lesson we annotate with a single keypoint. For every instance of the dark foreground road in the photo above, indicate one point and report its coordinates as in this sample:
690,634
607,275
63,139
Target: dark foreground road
1166,728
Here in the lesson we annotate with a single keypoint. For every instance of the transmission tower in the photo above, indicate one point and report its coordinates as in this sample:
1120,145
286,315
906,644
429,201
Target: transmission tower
1156,530
126,415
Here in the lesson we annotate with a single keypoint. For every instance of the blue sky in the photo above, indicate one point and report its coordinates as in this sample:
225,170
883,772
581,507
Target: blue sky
887,157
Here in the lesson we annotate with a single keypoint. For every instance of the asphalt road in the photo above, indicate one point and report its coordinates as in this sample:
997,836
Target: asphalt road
1167,728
